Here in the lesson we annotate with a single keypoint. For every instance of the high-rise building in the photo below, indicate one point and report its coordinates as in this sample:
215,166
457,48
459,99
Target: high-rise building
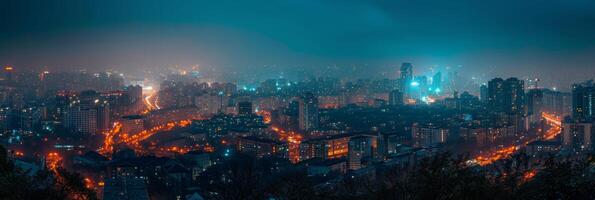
81,120
514,100
577,135
30,118
583,101
360,147
406,71
534,105
496,95
308,112
88,112
549,101
483,93
88,98
395,98
556,102
103,116
134,93
406,77
419,87
210,103
506,95
437,83
244,108
132,124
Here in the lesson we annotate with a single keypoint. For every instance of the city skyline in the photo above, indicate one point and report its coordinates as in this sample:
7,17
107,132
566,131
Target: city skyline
297,100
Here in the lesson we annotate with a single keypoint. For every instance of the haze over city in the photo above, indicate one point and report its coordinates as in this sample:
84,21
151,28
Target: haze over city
297,100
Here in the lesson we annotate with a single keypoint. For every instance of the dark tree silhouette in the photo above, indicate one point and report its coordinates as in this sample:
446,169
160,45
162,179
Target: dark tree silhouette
16,184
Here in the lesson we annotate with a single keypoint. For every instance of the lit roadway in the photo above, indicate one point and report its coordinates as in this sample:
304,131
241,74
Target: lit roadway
114,136
506,152
135,139
293,140
53,162
148,102
108,143
152,102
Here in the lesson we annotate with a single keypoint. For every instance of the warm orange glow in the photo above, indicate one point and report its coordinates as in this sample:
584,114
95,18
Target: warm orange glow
115,136
19,154
552,133
288,136
176,149
134,140
552,118
88,183
53,161
293,139
208,148
108,143
556,128
266,116
529,175
497,155
150,106
506,152
156,102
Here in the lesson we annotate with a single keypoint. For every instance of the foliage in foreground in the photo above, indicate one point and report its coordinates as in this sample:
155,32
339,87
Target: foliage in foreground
16,184
443,176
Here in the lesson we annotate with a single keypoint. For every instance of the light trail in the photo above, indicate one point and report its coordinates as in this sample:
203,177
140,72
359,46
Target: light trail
506,152
148,102
156,102
152,102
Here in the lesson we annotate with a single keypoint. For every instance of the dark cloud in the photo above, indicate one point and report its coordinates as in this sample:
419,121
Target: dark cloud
490,38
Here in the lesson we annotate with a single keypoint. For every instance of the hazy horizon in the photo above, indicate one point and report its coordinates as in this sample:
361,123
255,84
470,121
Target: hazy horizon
554,41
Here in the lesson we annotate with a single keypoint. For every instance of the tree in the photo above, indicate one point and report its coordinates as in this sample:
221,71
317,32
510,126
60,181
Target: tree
16,184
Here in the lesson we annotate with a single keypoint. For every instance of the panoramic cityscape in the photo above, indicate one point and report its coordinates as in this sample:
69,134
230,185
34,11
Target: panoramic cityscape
297,100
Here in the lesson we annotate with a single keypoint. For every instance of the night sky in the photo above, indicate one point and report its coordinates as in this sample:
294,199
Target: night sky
554,40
